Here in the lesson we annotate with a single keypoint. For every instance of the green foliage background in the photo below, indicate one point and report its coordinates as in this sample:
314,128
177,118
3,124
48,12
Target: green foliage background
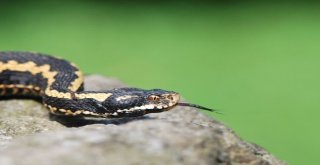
258,63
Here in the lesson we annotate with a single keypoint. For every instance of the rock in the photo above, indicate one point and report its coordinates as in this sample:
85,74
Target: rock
28,135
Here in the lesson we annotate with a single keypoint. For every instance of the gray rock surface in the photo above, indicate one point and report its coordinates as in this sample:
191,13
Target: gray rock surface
30,136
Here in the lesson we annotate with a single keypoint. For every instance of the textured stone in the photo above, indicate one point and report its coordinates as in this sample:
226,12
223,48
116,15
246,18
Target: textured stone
28,135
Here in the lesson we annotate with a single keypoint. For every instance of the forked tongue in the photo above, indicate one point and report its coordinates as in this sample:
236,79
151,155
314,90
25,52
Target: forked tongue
197,106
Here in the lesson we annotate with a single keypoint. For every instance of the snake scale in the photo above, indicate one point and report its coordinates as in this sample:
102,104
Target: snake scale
59,85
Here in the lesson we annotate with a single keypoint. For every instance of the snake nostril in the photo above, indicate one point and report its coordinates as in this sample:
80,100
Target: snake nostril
154,98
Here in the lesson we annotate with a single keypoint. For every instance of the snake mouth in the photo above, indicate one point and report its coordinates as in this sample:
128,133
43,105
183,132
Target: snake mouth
145,107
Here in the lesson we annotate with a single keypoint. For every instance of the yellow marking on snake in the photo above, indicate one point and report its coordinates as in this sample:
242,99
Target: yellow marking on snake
55,93
52,109
125,97
77,82
16,87
46,73
30,67
97,96
15,90
62,110
71,113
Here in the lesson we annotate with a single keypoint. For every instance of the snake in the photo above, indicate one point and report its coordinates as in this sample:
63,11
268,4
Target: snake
59,84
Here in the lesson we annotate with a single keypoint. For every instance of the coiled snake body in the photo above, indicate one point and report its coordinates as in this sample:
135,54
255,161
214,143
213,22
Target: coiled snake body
59,84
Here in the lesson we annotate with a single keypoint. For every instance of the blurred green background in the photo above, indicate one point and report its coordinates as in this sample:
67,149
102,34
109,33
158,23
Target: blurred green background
256,62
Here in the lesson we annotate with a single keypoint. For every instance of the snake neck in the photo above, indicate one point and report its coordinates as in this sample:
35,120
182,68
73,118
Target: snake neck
71,103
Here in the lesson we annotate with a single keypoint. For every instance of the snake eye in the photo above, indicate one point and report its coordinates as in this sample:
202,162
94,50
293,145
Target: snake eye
153,98
170,97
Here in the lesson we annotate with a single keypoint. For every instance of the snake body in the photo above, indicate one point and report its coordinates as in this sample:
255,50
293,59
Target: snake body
59,84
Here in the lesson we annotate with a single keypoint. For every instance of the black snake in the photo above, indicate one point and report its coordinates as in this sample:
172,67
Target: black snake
59,84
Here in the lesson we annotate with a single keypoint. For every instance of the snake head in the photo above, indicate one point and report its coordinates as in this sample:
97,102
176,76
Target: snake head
133,102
